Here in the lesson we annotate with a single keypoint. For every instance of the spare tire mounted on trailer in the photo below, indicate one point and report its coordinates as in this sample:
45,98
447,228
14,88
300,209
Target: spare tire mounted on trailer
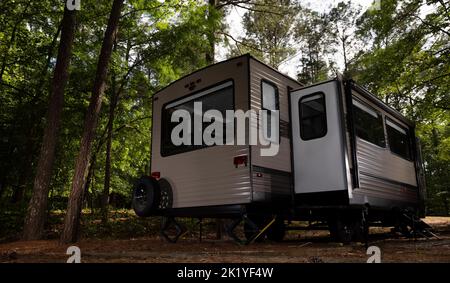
146,196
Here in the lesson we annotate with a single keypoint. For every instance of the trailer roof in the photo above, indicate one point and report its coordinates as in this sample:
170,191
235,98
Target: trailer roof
365,92
223,62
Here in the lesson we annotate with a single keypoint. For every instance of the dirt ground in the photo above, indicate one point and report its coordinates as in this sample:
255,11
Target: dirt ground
300,247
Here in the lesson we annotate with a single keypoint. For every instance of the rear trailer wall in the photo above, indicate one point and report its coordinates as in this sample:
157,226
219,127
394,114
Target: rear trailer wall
203,176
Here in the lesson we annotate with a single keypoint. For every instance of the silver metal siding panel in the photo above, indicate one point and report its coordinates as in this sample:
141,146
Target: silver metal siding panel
258,71
373,162
271,183
376,161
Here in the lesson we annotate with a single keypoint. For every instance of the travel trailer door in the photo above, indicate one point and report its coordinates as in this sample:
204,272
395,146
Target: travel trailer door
318,149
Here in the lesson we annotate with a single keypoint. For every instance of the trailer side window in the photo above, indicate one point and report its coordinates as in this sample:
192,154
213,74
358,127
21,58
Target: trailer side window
219,97
270,101
368,124
269,96
313,118
399,141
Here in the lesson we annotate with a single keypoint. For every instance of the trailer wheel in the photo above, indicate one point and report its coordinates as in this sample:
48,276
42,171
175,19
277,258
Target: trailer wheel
277,231
360,230
341,230
146,195
166,194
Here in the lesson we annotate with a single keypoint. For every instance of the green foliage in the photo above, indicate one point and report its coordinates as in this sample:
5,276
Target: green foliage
123,224
11,221
157,43
309,34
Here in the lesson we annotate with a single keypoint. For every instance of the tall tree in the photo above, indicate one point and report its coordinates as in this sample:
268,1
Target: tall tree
312,37
37,210
268,26
72,218
342,22
212,6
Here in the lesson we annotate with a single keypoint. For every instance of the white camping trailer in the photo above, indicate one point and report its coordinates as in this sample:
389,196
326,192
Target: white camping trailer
342,153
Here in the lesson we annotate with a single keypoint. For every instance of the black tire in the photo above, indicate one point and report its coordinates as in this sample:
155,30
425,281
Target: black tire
341,230
332,228
345,231
360,231
146,196
166,195
277,231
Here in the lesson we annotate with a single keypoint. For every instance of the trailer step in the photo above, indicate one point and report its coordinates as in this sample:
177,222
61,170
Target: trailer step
417,226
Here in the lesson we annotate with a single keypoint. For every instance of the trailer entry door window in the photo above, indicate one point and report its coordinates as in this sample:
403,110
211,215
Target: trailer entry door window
219,97
313,118
368,124
399,141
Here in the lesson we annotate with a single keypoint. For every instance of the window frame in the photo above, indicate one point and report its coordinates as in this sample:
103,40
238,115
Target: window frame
325,131
408,135
379,116
163,128
277,95
277,102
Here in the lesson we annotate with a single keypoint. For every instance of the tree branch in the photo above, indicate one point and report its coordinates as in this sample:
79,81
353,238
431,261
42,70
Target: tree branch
428,81
432,26
241,42
258,10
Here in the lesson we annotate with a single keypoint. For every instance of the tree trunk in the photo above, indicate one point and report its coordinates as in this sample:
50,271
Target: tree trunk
87,185
211,37
344,50
112,109
72,218
36,214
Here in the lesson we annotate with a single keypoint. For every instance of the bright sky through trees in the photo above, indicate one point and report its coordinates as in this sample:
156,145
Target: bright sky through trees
234,20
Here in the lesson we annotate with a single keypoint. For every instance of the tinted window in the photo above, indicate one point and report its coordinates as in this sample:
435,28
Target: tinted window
313,118
269,96
216,98
368,124
269,102
399,141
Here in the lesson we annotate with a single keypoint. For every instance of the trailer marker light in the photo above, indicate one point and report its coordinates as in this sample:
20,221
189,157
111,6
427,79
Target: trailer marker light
240,160
258,174
156,175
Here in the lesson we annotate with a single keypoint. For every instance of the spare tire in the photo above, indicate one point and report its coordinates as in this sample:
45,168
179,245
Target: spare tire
146,196
166,195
